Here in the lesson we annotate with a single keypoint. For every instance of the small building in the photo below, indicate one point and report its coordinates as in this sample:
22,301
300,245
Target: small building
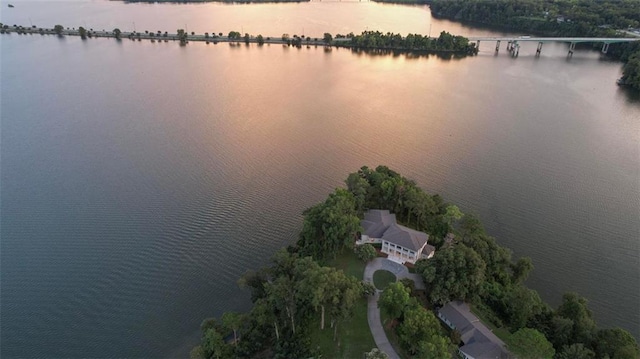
478,341
402,244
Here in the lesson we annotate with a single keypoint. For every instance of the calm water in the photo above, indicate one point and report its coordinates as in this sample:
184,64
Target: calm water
140,180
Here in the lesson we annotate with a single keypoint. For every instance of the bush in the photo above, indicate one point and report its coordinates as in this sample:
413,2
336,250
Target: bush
365,252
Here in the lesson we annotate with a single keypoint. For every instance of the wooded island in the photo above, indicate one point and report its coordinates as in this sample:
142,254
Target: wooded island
310,301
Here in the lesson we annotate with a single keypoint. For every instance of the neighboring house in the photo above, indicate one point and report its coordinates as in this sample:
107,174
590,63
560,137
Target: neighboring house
479,341
402,244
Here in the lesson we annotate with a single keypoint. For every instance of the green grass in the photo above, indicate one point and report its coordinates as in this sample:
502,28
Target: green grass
382,278
354,336
349,263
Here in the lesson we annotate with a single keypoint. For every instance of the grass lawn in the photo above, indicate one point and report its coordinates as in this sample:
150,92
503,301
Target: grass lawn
354,337
382,278
349,263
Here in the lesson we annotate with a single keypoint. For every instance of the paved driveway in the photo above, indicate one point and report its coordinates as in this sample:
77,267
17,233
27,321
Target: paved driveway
373,312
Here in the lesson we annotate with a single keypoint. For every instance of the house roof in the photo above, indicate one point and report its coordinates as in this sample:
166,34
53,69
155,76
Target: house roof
405,237
378,223
428,249
479,341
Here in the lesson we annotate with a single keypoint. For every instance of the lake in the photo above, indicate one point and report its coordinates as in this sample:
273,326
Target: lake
140,180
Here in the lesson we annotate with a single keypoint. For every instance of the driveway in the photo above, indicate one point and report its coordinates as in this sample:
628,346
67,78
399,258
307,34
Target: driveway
373,312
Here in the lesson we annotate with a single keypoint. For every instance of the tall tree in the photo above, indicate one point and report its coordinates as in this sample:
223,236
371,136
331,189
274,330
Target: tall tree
452,216
616,343
394,300
575,351
365,252
419,333
521,269
453,273
213,345
529,343
358,186
575,308
330,226
233,321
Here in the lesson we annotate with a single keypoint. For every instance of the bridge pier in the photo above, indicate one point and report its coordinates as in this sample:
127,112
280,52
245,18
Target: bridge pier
497,45
605,47
515,49
572,47
539,49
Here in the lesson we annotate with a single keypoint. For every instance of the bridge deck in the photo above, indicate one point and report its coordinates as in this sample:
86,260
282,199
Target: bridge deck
555,39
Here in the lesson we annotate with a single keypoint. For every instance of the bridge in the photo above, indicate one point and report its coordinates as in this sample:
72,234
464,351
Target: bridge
513,43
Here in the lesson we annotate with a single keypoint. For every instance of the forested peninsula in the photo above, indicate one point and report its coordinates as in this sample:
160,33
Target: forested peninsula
377,41
583,18
312,301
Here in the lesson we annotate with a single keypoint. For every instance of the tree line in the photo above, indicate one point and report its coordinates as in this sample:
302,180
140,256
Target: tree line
287,298
445,42
297,290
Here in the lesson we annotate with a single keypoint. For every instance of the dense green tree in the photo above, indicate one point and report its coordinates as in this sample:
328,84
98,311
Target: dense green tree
453,273
197,353
255,281
331,226
452,216
208,324
419,334
394,300
575,308
521,269
615,344
349,292
631,71
233,321
82,32
365,252
116,33
213,345
435,347
321,283
561,331
260,39
358,186
521,304
328,39
58,29
575,351
529,343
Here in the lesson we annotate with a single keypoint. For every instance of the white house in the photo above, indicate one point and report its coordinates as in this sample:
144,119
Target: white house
479,342
402,244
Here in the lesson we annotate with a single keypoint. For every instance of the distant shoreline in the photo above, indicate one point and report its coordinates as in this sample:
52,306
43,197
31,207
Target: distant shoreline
233,37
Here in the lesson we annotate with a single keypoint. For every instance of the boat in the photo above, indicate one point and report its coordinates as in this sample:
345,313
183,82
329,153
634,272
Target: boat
10,5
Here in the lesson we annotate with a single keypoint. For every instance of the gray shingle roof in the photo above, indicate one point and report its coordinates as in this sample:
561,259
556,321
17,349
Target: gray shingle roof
405,237
479,341
378,223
